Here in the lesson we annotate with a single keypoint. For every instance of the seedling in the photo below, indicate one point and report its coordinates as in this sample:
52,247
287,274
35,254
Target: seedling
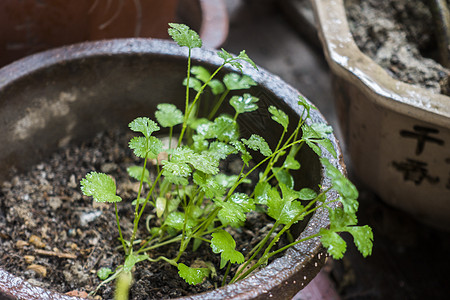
196,203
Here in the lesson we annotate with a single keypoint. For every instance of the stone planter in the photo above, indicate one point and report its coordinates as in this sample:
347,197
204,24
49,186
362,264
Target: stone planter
28,27
67,94
397,135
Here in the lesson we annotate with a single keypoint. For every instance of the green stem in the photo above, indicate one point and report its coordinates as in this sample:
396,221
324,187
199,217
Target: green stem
218,104
118,227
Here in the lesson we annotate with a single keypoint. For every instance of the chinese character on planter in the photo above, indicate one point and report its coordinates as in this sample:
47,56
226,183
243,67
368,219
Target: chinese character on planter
416,171
422,134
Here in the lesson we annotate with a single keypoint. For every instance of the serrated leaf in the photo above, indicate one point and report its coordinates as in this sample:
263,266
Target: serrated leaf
343,186
177,180
179,169
100,186
279,116
307,194
245,155
136,173
132,260
222,242
291,163
192,275
363,238
328,145
257,143
314,147
143,125
243,56
234,81
282,209
221,150
308,106
244,103
208,185
336,246
168,115
145,147
225,129
233,211
283,176
184,36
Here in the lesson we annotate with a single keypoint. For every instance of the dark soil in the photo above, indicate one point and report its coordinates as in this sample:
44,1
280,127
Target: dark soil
53,236
398,35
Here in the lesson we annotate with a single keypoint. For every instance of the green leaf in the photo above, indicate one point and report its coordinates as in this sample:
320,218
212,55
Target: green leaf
225,129
192,275
200,73
176,220
174,168
216,86
204,162
227,181
233,211
291,163
244,103
307,194
243,56
234,61
100,186
327,144
279,116
343,186
283,176
261,192
336,246
256,142
194,84
245,155
284,210
136,173
144,125
363,238
308,106
208,185
235,81
145,147
104,273
168,115
132,260
184,36
221,150
222,242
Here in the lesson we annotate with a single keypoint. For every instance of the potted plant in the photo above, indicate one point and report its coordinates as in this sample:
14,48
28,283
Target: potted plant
66,108
396,133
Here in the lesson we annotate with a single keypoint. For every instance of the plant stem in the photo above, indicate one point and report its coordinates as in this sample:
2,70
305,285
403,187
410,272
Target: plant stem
118,227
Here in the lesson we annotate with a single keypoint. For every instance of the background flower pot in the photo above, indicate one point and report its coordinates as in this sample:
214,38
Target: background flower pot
69,94
397,135
30,26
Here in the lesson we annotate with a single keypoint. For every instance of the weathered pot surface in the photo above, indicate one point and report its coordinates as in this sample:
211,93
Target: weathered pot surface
71,93
397,134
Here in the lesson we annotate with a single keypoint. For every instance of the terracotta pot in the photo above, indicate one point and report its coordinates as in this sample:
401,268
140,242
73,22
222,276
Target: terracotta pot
30,26
397,134
69,94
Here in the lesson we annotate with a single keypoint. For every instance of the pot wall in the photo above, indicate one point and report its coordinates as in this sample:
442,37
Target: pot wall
71,93
398,135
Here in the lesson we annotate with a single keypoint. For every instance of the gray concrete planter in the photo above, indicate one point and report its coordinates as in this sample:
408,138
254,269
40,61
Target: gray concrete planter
398,135
67,94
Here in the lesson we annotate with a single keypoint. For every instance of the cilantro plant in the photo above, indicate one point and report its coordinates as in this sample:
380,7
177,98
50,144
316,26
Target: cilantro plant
196,203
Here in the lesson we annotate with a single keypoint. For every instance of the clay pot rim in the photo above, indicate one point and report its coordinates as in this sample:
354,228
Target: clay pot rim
345,58
288,269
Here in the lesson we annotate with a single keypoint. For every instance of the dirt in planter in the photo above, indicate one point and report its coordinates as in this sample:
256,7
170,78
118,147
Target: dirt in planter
53,236
398,35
